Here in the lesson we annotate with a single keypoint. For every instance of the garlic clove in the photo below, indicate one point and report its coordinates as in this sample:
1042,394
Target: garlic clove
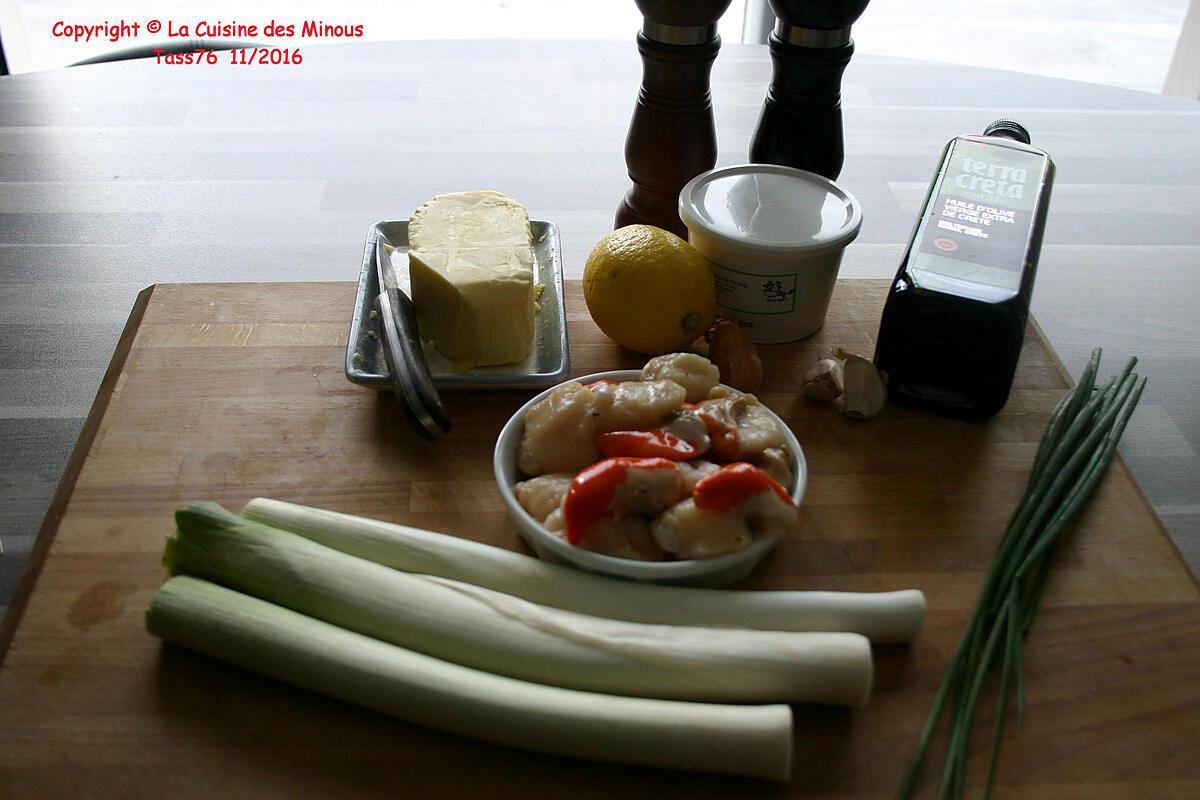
823,380
864,388
841,354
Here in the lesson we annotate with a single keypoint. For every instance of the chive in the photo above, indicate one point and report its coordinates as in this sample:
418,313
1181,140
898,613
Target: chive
939,703
1052,476
1018,675
1012,649
1099,405
961,731
1061,420
1074,454
1098,467
1053,429
1035,595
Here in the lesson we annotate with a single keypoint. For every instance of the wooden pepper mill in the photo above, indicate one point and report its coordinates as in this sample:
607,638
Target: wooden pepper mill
672,137
801,122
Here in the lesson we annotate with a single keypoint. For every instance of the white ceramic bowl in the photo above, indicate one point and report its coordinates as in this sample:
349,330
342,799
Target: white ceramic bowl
709,572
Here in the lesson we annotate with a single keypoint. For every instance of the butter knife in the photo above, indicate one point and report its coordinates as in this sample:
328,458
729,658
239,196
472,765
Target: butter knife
401,342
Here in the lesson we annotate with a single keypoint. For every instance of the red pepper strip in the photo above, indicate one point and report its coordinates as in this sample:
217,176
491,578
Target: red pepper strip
724,438
652,443
734,484
593,491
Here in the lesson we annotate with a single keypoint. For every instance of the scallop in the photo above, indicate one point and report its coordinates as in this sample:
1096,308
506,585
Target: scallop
755,425
633,405
696,374
623,537
540,496
648,491
687,425
690,531
556,523
775,462
757,431
560,432
695,470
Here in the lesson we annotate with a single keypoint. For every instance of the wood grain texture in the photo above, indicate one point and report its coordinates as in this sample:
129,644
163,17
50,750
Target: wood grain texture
229,391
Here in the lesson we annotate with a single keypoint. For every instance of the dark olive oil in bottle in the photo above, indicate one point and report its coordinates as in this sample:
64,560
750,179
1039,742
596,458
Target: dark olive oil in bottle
955,315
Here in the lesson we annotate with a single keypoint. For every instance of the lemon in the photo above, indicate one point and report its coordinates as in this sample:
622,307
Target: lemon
649,290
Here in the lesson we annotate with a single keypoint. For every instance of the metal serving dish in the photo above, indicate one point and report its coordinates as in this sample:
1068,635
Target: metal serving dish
548,362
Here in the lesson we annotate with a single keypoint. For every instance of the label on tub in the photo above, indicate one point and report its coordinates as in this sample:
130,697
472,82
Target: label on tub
754,293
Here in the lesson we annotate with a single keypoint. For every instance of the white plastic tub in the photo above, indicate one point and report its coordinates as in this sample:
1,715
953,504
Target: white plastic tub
775,237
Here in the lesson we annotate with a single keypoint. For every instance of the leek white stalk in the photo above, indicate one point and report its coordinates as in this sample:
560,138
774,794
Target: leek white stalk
274,641
881,616
507,635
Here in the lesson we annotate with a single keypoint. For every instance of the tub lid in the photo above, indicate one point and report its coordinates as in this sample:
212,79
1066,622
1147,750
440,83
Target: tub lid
771,207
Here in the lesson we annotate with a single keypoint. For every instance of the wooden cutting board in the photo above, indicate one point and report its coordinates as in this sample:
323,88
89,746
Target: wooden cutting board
230,391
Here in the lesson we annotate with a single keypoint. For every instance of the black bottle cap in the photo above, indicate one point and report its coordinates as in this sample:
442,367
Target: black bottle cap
1008,128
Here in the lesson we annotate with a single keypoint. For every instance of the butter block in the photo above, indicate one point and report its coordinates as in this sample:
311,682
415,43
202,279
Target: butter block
471,262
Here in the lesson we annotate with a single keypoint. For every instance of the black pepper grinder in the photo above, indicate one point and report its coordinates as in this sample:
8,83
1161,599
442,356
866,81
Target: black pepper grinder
672,137
801,122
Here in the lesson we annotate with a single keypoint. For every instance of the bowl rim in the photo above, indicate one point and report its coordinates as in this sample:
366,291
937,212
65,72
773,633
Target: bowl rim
615,565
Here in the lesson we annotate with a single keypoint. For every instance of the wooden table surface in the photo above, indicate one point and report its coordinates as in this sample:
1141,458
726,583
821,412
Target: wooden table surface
229,391
117,176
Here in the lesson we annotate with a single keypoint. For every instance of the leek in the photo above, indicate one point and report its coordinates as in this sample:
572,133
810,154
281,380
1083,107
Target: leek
274,641
499,633
880,616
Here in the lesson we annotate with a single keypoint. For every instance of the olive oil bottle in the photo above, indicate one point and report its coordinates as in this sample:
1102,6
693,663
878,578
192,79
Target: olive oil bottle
955,315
